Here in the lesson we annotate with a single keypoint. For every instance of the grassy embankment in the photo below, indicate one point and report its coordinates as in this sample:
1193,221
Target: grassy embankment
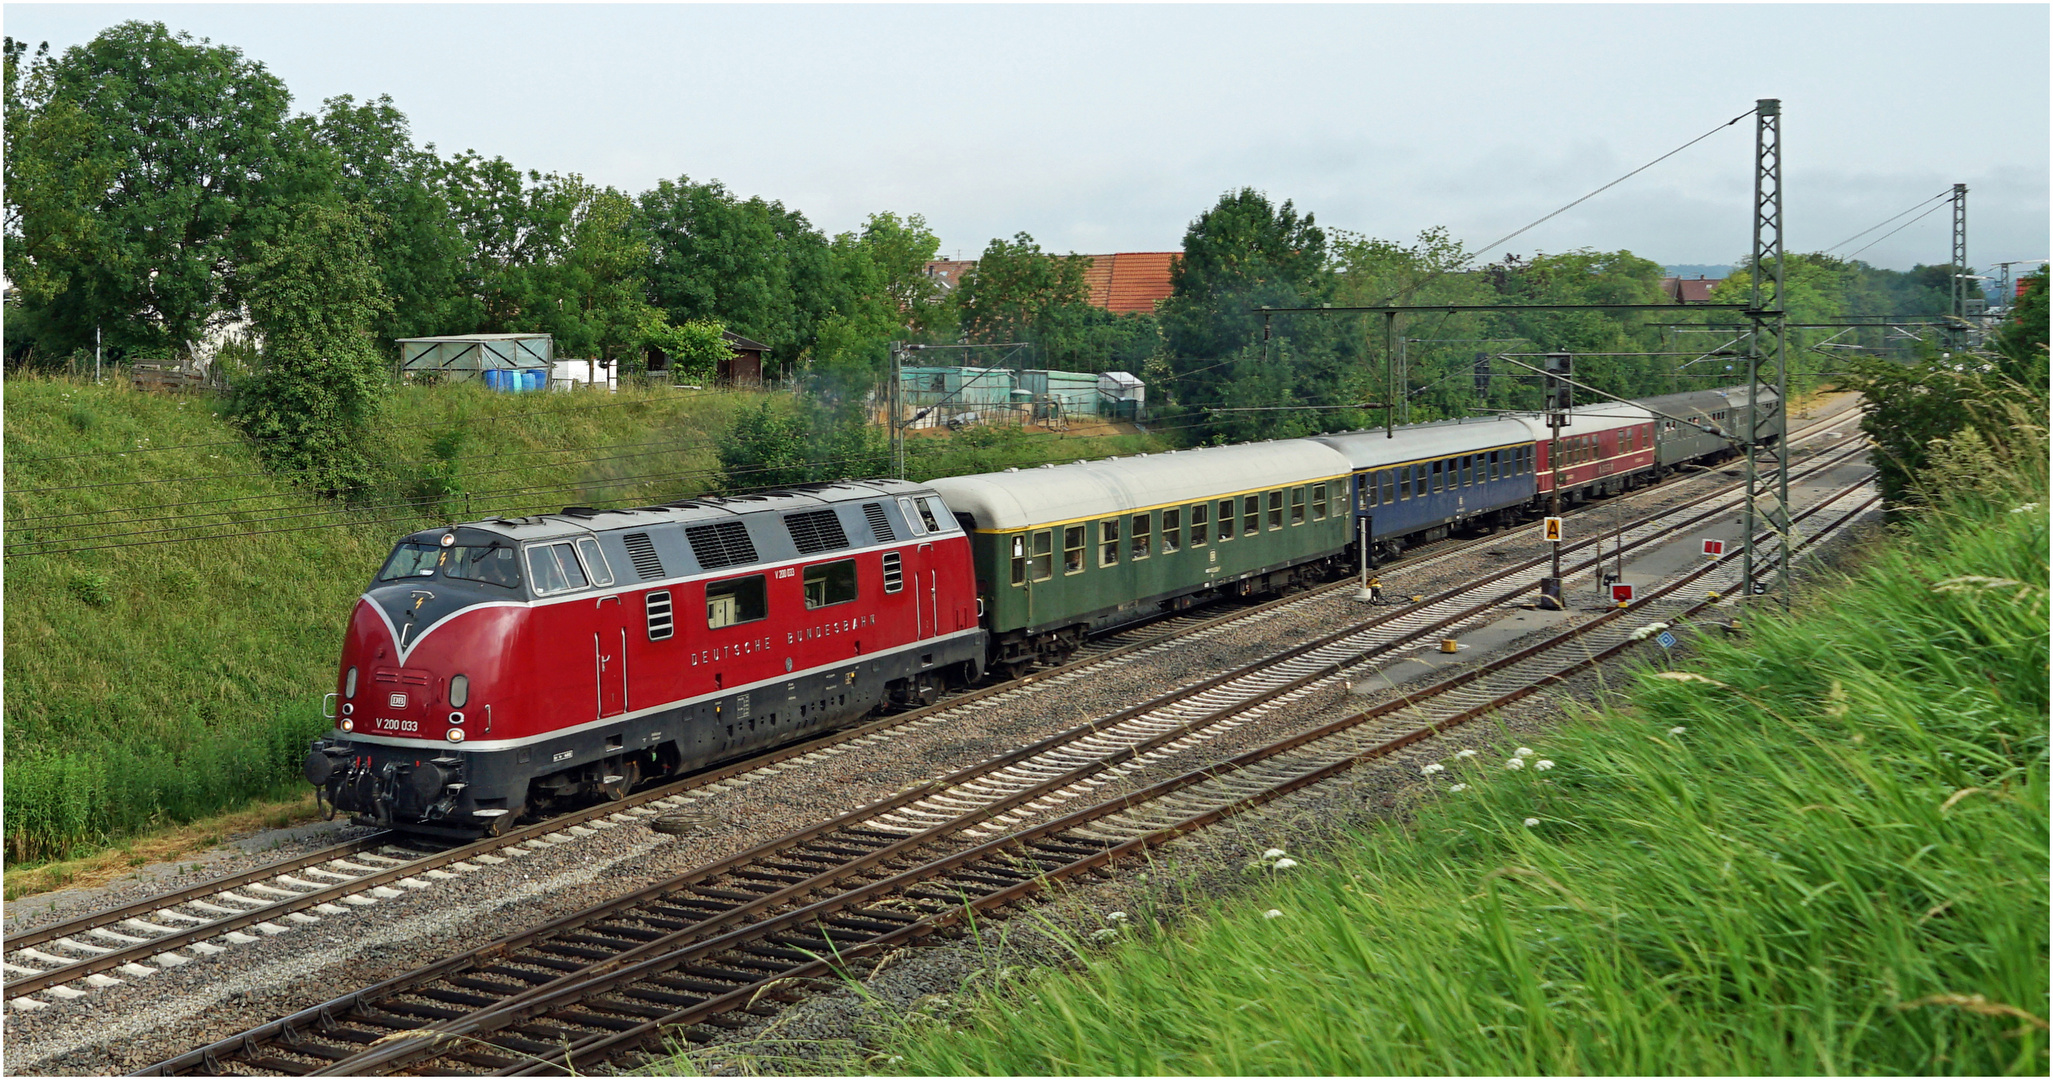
153,686
1821,848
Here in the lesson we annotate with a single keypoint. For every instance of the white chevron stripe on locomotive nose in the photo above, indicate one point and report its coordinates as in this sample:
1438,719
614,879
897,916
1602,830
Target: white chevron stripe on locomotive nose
414,641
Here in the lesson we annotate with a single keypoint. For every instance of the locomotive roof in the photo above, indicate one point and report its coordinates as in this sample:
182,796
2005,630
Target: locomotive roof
1018,498
576,520
1371,447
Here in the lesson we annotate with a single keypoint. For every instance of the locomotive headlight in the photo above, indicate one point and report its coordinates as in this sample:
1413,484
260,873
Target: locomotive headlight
347,708
348,724
455,717
456,734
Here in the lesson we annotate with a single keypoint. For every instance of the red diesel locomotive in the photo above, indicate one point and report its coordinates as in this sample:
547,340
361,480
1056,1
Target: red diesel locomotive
503,665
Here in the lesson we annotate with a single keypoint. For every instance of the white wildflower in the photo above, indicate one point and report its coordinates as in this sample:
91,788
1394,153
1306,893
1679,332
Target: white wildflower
1431,768
1647,631
1524,751
1975,581
1285,864
1459,787
1272,913
1531,821
1105,935
1465,753
1677,730
1543,765
1115,916
2026,508
1685,676
1273,853
1515,763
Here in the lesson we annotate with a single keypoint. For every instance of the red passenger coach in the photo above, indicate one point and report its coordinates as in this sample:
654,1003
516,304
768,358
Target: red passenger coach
504,665
1606,449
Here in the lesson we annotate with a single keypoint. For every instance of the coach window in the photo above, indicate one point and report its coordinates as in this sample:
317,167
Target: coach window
1297,506
1225,520
1019,542
1143,537
1389,486
1200,524
830,583
1372,490
1319,502
553,568
1041,565
1250,515
1073,549
1276,509
738,601
1436,476
1172,531
1108,542
1404,482
1468,470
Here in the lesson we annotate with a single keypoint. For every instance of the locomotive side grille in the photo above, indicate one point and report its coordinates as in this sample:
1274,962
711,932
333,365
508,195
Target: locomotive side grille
400,675
815,531
725,543
894,572
643,551
661,625
879,524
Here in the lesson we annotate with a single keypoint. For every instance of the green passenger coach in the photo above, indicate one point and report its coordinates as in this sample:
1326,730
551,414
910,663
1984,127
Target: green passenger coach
1063,551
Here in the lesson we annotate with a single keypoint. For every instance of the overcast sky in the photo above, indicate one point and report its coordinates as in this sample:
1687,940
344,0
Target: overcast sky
1101,129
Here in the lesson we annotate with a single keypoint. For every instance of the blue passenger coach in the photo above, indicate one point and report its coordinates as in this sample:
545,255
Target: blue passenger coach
1434,477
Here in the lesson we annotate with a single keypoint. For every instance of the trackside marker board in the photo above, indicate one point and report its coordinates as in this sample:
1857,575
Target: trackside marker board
1621,594
1714,548
1551,529
1667,640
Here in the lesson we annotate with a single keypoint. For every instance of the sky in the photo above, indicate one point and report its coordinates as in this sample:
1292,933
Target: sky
1110,128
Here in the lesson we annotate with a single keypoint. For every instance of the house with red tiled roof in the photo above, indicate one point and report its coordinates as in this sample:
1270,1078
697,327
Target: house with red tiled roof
1129,281
1696,290
948,273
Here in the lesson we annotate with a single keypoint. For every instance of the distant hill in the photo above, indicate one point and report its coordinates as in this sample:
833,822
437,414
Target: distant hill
1716,273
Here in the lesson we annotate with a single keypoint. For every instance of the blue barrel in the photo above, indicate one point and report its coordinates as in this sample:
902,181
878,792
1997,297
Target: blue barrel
538,379
494,379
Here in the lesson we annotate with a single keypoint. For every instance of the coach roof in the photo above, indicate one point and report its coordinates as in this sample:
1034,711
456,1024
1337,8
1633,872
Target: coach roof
1027,497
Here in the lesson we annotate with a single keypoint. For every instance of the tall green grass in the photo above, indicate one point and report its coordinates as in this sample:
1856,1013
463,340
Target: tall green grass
1821,849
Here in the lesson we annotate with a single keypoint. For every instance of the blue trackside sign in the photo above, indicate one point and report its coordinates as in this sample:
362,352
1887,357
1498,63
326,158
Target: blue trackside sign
1666,640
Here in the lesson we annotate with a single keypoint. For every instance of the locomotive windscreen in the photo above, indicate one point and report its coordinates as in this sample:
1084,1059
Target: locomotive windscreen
492,564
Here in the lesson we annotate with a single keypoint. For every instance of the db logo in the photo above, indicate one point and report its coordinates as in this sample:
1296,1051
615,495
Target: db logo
397,701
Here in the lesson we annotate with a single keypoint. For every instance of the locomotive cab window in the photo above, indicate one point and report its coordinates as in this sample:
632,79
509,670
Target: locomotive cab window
917,519
493,565
935,514
741,600
553,568
1200,524
595,561
1042,564
1073,549
1225,519
830,583
1143,537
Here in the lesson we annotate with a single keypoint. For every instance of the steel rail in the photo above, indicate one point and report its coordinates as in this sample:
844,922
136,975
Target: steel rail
587,1052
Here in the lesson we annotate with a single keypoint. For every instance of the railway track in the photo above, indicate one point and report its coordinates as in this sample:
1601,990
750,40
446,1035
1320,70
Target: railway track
66,960
719,938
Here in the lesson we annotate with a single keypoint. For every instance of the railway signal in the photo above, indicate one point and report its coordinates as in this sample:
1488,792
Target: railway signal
1714,548
1621,594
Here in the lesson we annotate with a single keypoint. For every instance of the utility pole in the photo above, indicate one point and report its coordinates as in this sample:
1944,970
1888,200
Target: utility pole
893,396
96,354
1769,328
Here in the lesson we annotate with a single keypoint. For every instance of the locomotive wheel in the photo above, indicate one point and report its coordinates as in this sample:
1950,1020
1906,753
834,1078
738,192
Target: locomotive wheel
504,823
1013,669
629,774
